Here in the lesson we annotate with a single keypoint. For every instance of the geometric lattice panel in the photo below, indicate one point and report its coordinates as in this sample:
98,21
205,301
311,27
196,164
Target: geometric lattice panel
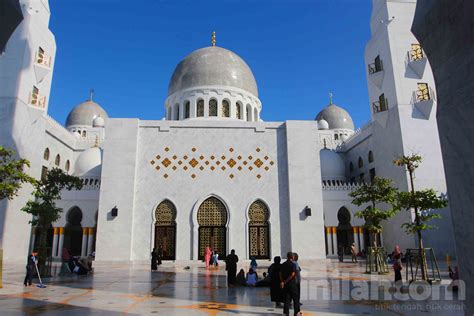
258,213
212,212
165,214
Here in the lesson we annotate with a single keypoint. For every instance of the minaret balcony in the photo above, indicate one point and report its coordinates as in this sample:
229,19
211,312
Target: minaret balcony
43,59
37,100
376,73
416,60
380,106
423,100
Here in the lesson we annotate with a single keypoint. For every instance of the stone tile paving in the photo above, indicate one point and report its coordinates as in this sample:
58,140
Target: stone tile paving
328,288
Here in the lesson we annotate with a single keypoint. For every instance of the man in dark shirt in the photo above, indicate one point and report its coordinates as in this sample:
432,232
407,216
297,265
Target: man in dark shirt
231,267
288,284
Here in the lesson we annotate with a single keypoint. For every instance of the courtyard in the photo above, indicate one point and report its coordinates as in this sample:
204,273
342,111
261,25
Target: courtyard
187,288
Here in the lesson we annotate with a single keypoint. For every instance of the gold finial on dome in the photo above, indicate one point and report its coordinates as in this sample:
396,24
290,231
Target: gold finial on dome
213,39
91,94
330,98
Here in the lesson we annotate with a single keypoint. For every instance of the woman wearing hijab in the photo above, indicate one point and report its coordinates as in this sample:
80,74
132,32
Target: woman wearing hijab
207,256
397,263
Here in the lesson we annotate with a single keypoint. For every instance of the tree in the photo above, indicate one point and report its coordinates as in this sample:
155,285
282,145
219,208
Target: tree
12,175
423,203
377,192
43,208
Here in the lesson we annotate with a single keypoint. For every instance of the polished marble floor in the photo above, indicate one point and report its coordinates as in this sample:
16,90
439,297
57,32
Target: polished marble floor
187,288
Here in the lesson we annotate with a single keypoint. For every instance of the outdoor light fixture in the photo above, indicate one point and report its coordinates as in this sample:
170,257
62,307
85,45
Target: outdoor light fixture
114,211
307,211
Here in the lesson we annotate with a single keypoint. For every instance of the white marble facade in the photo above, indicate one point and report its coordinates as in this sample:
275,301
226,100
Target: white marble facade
213,143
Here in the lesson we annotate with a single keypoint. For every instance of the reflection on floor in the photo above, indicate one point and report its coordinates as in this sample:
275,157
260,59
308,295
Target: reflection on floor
328,288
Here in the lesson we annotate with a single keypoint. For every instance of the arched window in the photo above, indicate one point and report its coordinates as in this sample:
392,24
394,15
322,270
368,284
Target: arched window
165,229
176,110
225,109
46,154
212,219
200,108
249,113
57,161
336,137
213,107
83,133
351,167
361,162
259,233
187,109
255,115
67,166
371,156
238,110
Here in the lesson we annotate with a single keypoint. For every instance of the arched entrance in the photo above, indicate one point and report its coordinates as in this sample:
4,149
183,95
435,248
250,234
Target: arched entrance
73,232
165,229
345,236
212,220
259,232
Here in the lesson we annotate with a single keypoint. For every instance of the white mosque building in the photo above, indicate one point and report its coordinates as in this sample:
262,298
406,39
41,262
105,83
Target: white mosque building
212,173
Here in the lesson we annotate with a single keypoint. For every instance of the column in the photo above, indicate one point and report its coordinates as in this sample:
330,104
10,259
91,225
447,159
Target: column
90,241
327,234
84,241
54,251
355,231
361,238
334,234
33,238
61,242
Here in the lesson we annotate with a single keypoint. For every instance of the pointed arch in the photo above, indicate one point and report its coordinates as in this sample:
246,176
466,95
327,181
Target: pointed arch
165,229
259,230
46,154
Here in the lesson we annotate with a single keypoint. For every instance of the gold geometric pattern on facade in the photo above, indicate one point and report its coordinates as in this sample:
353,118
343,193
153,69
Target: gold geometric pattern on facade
216,161
166,162
193,162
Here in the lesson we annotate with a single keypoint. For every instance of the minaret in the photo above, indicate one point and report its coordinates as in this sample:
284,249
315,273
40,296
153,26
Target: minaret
403,104
26,68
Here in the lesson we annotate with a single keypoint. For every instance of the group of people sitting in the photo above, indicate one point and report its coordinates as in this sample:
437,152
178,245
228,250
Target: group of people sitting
76,264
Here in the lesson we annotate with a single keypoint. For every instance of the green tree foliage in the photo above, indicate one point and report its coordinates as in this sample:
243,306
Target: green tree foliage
423,203
380,191
46,192
12,175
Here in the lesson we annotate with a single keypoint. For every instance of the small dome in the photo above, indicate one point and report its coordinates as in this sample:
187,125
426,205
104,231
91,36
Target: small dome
323,124
89,163
332,165
211,66
336,117
98,122
84,114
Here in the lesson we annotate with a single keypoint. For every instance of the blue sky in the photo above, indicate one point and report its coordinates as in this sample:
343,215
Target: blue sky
126,51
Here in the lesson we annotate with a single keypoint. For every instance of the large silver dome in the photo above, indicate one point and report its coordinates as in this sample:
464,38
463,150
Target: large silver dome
212,66
84,114
337,117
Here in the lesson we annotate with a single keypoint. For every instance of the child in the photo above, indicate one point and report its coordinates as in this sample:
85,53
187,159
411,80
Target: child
215,259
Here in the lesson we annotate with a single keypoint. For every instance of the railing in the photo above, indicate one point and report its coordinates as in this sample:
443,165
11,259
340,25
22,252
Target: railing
375,67
37,100
90,183
338,185
379,106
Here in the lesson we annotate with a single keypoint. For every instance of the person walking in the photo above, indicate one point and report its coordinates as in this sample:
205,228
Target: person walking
207,256
397,264
30,269
231,267
159,256
154,258
288,284
298,275
354,252
276,293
